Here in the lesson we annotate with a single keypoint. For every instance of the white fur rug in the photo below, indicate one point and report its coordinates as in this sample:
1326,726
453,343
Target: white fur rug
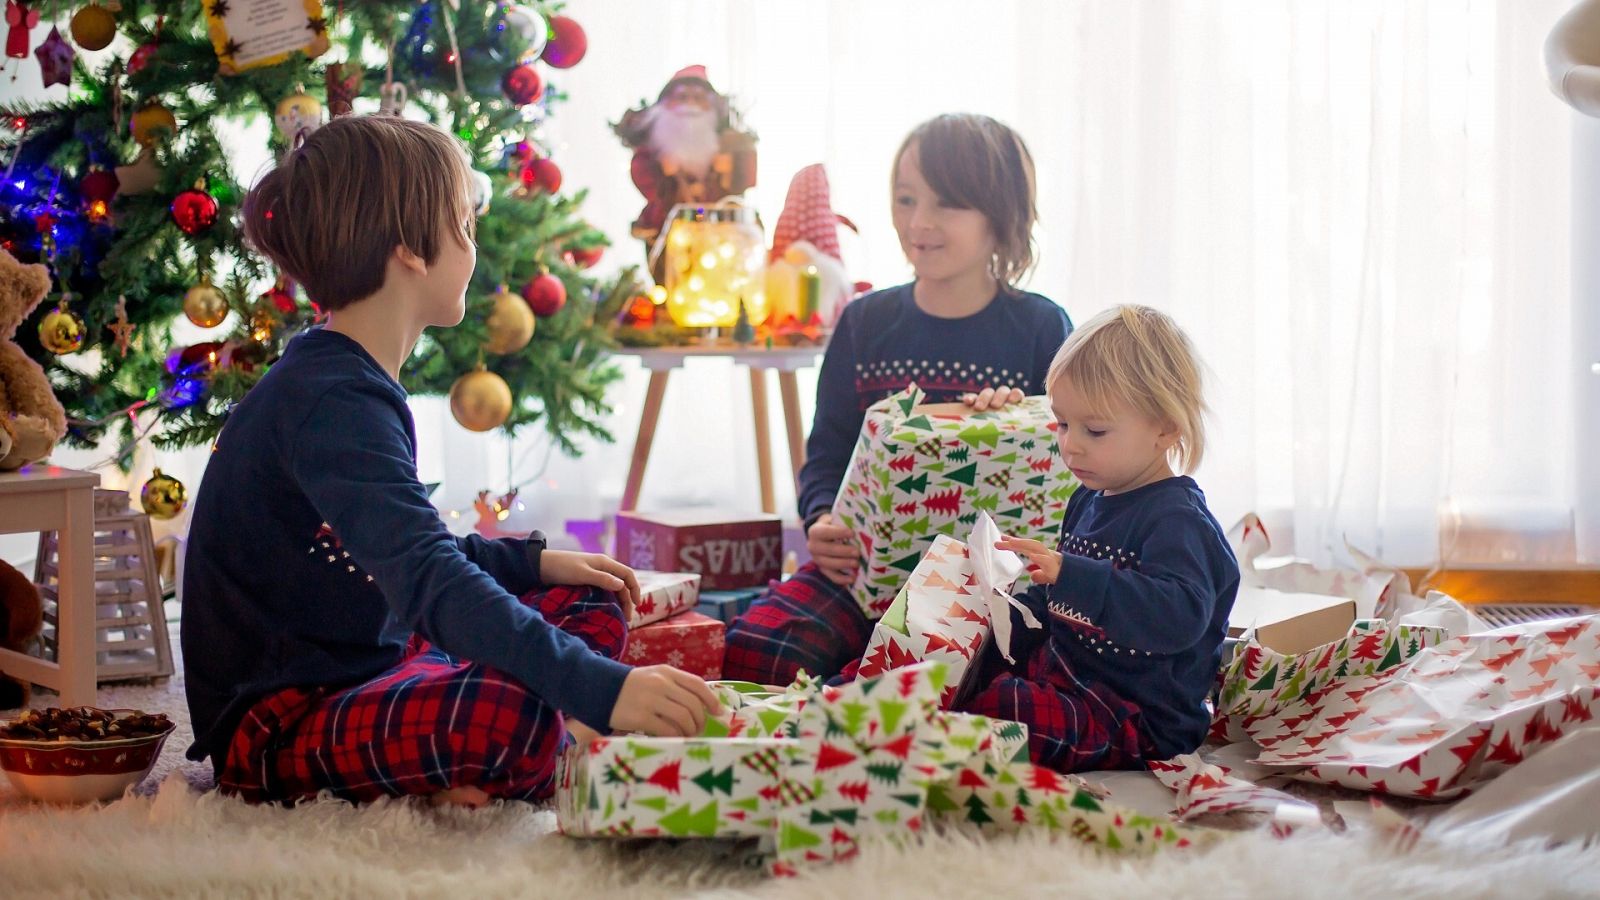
179,840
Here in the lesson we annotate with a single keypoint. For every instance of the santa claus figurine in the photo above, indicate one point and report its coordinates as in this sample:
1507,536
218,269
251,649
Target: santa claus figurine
688,147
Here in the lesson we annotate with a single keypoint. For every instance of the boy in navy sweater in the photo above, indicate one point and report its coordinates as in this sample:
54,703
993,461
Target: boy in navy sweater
1137,595
335,635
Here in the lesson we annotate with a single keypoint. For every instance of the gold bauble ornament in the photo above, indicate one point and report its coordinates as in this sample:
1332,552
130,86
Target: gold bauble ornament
149,122
296,114
163,496
93,27
61,331
480,400
510,323
204,304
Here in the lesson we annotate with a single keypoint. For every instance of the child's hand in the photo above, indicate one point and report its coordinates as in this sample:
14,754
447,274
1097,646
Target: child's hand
993,398
664,702
1044,564
833,548
593,569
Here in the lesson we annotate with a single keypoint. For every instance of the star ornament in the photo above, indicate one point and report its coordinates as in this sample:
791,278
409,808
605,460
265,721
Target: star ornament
122,328
55,59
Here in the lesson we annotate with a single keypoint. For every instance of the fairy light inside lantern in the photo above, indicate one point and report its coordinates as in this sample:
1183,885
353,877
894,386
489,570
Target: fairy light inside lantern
715,259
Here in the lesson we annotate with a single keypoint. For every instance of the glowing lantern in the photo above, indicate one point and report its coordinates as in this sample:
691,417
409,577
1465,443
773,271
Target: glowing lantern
715,257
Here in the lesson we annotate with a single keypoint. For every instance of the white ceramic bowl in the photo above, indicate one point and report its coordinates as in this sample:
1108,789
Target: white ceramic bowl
80,771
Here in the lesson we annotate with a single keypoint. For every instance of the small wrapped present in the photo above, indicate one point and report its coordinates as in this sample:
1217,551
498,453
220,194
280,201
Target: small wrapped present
956,597
664,594
729,550
920,472
725,606
670,787
688,641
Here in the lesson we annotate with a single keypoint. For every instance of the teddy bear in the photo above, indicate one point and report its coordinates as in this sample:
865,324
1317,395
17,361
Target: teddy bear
21,617
31,419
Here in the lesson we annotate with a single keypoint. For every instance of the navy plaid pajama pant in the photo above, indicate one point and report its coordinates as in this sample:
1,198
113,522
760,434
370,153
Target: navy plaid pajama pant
431,723
806,622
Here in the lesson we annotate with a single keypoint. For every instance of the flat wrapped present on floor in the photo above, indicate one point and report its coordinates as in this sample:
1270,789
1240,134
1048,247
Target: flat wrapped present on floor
919,472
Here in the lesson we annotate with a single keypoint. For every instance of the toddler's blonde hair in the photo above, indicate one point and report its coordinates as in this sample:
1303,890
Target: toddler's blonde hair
1139,356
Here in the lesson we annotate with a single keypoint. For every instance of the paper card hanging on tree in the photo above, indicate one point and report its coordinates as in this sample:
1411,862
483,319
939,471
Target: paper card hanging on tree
664,594
919,472
251,33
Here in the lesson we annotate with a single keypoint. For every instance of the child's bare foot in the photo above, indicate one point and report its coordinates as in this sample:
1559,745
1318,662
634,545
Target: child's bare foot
466,795
580,732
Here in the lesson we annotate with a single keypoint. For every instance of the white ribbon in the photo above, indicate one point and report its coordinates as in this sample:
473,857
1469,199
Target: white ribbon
996,571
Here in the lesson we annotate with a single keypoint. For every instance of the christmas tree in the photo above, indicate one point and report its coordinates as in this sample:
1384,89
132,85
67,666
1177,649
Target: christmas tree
126,189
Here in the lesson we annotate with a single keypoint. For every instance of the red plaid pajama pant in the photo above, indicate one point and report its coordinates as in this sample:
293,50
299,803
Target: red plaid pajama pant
1073,725
807,622
430,723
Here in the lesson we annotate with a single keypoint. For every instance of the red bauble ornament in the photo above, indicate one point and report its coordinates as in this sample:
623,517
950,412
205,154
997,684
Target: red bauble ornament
141,57
545,295
280,297
522,85
98,185
585,257
543,174
567,43
196,359
194,211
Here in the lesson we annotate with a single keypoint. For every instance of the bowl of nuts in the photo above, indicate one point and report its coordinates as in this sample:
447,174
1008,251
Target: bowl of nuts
80,754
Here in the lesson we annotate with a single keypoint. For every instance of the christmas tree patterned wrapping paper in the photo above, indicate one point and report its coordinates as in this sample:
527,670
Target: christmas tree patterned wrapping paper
1259,681
1455,716
1018,795
1206,789
947,607
669,787
917,474
664,594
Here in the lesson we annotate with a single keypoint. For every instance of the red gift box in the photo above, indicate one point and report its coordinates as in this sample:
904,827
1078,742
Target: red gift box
730,551
688,641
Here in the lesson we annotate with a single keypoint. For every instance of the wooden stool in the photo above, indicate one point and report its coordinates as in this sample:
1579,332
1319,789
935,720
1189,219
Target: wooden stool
131,639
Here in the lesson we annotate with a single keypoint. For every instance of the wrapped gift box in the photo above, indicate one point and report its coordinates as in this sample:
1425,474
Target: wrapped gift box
664,594
725,606
729,551
946,610
919,472
688,641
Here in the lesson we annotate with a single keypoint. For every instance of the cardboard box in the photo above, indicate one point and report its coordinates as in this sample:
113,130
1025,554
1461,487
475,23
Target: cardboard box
1288,622
664,594
728,550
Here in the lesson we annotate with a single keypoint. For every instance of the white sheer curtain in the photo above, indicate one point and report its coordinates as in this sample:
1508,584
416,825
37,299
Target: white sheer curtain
1359,210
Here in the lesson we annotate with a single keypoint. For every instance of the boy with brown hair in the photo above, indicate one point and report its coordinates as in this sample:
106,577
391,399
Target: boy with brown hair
335,635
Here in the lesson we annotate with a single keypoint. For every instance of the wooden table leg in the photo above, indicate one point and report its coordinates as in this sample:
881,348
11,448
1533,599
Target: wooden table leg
758,406
75,601
789,389
647,436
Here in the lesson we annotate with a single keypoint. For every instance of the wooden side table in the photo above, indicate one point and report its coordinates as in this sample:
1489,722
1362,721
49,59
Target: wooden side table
49,498
786,361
